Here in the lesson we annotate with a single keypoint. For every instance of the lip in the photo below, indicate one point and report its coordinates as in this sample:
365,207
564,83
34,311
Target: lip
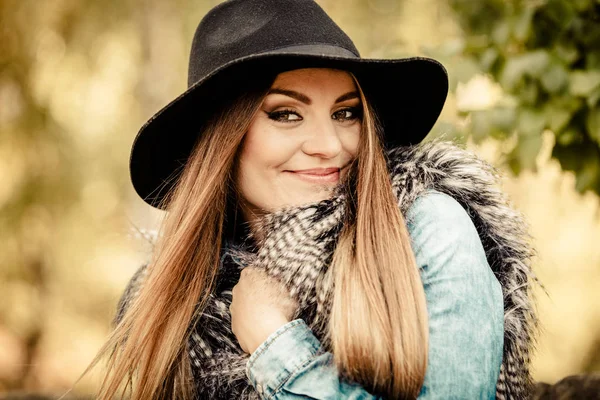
317,171
318,175
314,178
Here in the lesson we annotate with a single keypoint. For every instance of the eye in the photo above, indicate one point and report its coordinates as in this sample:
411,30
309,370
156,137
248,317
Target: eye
347,114
283,116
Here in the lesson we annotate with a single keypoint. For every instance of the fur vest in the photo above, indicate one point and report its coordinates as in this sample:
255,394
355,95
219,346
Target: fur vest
296,246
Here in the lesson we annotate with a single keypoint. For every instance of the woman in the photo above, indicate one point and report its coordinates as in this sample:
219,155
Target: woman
311,249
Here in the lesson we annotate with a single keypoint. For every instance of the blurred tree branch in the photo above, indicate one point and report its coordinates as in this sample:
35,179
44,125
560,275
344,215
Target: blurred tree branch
546,57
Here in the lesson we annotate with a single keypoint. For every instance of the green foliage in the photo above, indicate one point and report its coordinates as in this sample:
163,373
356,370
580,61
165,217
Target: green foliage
545,54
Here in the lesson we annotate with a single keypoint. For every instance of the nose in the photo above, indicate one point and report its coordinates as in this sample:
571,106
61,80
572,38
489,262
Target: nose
324,142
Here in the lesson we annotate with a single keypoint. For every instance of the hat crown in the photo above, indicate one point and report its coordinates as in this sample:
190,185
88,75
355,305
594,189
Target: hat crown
238,28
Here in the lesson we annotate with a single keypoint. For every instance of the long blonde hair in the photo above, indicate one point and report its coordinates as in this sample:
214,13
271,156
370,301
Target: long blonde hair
378,323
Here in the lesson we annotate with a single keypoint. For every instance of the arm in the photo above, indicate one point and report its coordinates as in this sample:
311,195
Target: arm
464,301
279,373
465,308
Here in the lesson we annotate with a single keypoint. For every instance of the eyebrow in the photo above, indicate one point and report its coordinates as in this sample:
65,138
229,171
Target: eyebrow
305,99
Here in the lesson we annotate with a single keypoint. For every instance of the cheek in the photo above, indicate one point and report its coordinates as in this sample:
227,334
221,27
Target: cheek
267,148
262,157
351,139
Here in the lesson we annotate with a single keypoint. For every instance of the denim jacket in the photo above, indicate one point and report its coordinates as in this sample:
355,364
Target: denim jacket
465,310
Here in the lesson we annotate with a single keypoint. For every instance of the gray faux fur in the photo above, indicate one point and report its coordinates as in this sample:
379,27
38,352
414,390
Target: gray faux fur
297,245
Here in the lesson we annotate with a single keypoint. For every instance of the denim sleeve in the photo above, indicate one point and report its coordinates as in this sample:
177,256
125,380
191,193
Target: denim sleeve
291,364
465,308
464,301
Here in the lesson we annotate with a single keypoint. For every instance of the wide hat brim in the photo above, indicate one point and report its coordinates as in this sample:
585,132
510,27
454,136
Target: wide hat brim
408,95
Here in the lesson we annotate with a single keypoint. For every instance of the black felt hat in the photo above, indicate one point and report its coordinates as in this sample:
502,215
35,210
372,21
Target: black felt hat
240,39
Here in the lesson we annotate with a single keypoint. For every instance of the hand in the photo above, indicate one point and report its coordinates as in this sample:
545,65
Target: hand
260,305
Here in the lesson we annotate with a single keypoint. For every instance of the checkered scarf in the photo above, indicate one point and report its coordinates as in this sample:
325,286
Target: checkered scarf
297,246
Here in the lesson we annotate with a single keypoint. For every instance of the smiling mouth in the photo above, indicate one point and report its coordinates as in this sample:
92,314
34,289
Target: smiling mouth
331,177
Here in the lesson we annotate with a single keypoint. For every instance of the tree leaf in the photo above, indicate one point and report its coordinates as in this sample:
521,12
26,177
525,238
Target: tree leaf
466,68
531,122
592,60
590,35
592,124
583,83
582,5
503,118
559,12
567,155
566,51
592,99
523,156
488,58
560,110
557,116
532,64
550,21
522,24
529,92
588,176
501,33
481,125
555,78
569,136
583,158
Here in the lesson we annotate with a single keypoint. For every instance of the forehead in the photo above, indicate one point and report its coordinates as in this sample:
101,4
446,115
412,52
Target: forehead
314,76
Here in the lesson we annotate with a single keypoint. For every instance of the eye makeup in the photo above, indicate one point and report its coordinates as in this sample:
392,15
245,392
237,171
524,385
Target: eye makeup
277,115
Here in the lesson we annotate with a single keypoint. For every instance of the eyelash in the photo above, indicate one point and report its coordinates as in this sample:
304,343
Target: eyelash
276,114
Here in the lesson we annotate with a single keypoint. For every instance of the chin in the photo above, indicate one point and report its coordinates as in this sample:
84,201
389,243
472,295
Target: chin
316,198
295,197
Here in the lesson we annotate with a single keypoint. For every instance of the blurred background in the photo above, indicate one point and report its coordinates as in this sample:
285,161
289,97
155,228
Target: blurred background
79,78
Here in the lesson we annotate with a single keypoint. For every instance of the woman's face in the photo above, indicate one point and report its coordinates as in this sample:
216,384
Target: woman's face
301,141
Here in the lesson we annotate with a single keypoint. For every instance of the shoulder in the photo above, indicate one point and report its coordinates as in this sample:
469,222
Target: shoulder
130,293
441,231
439,209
